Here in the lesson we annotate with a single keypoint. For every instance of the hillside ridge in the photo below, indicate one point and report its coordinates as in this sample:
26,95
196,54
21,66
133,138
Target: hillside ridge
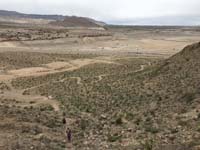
59,20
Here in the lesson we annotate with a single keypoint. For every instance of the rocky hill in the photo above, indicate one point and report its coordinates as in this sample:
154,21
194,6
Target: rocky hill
14,14
74,21
181,72
58,20
174,88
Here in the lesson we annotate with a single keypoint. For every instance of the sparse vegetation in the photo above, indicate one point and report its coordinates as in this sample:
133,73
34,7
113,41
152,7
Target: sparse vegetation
112,102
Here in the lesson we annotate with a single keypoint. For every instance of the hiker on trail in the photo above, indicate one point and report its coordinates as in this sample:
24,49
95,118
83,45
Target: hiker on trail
69,135
64,121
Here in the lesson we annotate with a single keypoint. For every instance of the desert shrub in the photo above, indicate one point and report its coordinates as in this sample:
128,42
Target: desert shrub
174,130
113,138
151,129
3,86
31,130
184,123
84,124
193,143
148,145
198,116
198,128
129,116
32,102
119,121
137,121
188,97
46,108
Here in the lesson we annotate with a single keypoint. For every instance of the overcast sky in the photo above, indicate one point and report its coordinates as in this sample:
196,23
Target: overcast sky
114,11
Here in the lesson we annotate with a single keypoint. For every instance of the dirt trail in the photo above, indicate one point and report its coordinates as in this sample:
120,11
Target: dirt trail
100,77
77,78
51,68
30,100
142,67
27,100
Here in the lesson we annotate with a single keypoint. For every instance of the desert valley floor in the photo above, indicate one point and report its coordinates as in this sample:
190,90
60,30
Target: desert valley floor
125,88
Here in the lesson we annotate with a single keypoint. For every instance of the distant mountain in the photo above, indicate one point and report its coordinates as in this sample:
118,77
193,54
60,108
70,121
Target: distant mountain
58,20
73,21
100,23
185,20
14,14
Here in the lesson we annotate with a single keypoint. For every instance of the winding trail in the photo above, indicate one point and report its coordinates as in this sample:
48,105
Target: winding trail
142,67
77,78
46,69
51,68
100,77
28,100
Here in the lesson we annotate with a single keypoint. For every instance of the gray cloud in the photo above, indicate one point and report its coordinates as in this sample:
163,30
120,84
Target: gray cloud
112,11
